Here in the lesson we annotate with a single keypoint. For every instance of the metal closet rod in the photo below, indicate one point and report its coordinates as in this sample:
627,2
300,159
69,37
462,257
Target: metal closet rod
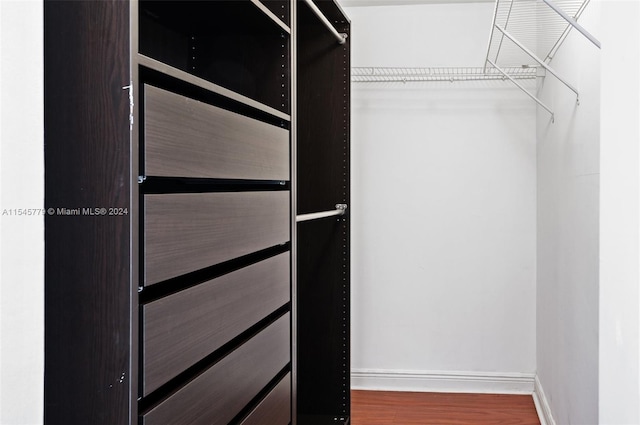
341,37
340,210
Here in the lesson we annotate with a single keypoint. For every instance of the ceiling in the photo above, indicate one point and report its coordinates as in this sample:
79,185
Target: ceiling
352,3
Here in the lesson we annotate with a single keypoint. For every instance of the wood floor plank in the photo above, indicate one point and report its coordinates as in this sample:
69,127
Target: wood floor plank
410,408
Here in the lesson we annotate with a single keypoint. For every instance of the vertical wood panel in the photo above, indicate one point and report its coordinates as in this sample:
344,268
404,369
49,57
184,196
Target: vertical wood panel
323,115
323,245
323,319
87,163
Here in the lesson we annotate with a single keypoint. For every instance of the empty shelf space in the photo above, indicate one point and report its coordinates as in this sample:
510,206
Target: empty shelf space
233,44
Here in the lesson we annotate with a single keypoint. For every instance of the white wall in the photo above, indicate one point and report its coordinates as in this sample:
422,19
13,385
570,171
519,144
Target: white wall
443,232
420,35
568,232
589,224
21,237
620,214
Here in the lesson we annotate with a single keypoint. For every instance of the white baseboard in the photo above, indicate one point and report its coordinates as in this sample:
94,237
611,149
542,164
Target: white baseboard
441,381
542,404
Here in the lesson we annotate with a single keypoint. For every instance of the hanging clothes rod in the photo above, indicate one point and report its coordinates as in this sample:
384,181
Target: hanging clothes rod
341,37
340,210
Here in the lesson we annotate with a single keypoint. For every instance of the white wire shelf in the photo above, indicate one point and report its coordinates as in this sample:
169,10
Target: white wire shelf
529,33
525,35
450,74
535,25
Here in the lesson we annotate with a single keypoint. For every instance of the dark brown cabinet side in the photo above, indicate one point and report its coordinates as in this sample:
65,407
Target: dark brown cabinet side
323,246
87,257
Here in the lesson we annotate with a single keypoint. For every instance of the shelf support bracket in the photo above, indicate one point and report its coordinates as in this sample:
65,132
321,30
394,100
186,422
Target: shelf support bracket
493,25
538,101
573,22
535,58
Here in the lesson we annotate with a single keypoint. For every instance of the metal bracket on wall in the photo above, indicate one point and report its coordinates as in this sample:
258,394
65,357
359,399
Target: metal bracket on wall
538,101
535,58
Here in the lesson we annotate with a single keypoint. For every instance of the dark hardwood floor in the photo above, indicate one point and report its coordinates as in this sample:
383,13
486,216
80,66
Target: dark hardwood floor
409,408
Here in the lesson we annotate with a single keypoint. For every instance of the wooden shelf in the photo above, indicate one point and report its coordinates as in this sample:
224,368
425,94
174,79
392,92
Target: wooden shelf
267,9
207,85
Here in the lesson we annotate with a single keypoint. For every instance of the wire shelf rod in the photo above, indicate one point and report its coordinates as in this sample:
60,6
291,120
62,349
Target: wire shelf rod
540,61
564,34
538,101
573,23
506,22
493,25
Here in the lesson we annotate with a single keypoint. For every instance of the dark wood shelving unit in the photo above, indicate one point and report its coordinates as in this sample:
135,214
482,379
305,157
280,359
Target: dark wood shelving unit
202,300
